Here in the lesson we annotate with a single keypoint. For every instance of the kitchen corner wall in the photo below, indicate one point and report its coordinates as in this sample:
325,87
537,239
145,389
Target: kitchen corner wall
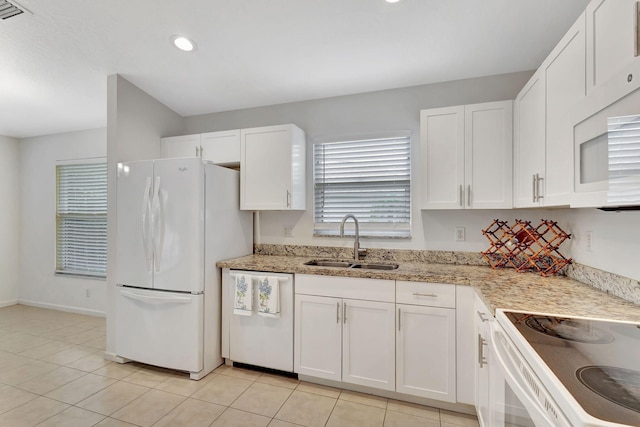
38,283
135,123
9,220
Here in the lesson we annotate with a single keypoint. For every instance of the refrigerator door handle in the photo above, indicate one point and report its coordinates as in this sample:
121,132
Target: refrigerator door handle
146,212
156,299
157,213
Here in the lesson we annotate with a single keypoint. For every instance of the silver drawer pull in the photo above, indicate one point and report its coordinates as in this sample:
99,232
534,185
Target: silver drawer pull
482,317
418,294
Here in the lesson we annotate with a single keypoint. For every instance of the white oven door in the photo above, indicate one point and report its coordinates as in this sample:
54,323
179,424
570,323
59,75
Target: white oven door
517,397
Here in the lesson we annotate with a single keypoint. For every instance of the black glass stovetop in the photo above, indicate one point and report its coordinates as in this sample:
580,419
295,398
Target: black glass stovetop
597,361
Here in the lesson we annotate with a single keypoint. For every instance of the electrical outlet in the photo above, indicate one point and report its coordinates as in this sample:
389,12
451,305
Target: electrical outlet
459,235
588,241
287,230
88,293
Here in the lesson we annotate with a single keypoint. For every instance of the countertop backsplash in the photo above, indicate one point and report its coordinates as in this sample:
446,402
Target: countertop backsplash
623,287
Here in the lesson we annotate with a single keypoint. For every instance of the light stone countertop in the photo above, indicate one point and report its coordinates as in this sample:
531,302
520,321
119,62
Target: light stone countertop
501,288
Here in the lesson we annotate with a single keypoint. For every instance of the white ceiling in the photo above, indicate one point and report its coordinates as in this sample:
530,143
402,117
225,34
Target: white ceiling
54,63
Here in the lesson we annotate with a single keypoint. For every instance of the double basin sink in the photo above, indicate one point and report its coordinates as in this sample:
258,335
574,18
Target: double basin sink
351,264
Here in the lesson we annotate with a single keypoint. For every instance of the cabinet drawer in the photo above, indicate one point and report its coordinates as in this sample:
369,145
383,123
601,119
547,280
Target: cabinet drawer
346,287
429,294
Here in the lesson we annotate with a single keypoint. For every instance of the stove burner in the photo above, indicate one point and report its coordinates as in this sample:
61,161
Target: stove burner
578,330
618,385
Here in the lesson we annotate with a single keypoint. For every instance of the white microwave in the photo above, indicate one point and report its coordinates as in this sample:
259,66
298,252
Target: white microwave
607,155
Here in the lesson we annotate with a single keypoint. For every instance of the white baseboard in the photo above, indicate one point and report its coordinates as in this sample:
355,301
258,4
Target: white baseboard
66,308
8,303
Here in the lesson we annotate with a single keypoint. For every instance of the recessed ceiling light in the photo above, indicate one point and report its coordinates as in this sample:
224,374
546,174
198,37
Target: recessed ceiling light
393,1
183,43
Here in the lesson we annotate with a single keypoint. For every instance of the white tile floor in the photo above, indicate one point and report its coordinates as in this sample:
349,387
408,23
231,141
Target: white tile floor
52,374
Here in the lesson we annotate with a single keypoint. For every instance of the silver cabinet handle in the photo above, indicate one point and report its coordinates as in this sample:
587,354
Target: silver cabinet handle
481,343
399,318
538,195
461,195
197,150
482,316
533,190
418,294
288,199
469,195
344,312
337,312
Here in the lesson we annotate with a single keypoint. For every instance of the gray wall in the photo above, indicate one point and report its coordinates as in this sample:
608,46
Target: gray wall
9,220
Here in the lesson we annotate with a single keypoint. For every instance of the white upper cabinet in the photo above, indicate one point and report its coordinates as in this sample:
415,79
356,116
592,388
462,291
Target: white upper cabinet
221,148
530,142
611,42
180,146
543,125
565,87
272,168
466,156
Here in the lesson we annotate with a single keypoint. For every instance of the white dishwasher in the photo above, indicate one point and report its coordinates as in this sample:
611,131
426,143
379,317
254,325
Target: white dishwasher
252,338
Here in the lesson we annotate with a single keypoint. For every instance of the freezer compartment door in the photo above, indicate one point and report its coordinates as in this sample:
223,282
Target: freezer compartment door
134,253
178,225
160,328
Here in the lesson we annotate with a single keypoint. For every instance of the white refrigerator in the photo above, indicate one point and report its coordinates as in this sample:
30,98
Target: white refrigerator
175,219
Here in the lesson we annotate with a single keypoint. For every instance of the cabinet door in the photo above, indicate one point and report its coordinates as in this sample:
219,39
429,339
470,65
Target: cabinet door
611,41
483,358
265,168
442,157
221,148
180,146
426,352
318,337
368,356
565,87
489,155
530,141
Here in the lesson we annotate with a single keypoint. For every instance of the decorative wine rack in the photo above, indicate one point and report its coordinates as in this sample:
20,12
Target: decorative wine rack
526,248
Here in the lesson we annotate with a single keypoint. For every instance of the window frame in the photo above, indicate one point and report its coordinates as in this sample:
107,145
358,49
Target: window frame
377,230
59,264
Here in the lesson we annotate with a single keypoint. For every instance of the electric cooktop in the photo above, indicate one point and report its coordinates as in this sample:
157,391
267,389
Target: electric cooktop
597,361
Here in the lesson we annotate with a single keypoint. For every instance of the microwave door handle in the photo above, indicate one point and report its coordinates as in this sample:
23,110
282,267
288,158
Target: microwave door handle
530,404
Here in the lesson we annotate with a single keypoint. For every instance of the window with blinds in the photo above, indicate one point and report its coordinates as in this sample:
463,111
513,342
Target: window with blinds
369,178
81,218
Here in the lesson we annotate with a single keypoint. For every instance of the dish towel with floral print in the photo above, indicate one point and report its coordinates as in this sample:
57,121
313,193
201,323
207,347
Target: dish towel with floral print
243,302
268,296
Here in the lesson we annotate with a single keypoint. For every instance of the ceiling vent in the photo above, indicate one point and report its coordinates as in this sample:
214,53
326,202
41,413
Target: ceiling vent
9,10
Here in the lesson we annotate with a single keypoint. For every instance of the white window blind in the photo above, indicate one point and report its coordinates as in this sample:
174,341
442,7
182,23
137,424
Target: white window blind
81,219
369,178
624,160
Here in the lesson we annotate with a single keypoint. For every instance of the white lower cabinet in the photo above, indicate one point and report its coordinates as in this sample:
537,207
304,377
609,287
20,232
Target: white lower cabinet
318,337
425,352
397,336
345,330
368,339
483,361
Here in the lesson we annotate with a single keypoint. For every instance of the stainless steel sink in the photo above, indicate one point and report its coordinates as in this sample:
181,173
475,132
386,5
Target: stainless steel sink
375,266
329,263
351,264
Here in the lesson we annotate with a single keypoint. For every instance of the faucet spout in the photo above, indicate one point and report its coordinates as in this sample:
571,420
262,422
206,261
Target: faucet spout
356,245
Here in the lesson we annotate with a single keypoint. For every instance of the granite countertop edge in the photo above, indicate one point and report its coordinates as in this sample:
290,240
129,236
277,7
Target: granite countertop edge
499,288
